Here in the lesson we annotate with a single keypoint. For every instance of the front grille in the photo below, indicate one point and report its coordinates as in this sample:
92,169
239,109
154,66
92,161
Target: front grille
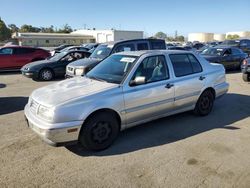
33,106
70,69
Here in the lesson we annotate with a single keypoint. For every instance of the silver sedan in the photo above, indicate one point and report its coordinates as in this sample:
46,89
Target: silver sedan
124,90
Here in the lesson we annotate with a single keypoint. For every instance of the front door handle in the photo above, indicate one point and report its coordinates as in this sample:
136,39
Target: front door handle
202,77
168,86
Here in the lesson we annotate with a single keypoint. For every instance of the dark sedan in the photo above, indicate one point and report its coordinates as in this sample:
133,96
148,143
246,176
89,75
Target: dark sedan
246,70
230,57
52,67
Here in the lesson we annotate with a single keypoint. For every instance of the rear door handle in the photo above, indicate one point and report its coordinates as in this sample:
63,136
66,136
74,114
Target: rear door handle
202,77
168,86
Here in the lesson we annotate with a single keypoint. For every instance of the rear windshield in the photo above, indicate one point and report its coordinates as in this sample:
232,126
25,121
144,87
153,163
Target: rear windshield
101,52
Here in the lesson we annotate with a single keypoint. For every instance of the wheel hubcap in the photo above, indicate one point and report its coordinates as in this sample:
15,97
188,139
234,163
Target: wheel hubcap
46,75
101,132
205,103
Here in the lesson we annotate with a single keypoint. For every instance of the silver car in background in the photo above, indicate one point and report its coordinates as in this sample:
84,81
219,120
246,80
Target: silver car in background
126,89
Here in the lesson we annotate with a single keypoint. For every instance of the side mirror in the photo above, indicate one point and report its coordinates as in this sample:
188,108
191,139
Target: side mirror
139,80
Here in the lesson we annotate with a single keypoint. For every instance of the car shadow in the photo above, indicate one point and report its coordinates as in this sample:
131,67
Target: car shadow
12,104
10,72
233,71
2,86
227,110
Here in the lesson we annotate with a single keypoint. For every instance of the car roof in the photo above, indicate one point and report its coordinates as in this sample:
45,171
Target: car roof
16,46
131,40
153,52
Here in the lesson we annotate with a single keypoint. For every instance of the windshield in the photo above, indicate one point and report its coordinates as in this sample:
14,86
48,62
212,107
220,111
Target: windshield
101,52
113,69
231,42
58,56
213,51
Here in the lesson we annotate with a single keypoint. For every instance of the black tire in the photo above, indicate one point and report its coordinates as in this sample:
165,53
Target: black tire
246,77
205,103
99,131
46,75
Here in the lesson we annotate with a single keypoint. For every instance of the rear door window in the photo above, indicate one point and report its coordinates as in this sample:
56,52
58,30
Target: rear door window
185,64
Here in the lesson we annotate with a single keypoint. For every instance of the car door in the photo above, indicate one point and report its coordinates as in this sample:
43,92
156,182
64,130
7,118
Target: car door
228,59
153,98
237,57
60,66
22,56
6,59
189,79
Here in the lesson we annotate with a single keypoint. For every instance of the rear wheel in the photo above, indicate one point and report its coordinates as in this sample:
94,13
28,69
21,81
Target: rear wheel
205,103
46,75
246,77
99,131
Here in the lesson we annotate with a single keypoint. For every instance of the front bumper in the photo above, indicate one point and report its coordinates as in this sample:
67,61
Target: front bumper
28,74
54,134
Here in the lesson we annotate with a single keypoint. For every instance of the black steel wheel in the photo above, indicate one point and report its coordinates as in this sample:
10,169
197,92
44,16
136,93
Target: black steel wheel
205,103
99,131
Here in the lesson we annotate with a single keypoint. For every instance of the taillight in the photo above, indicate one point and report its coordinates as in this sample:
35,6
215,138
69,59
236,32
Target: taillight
244,62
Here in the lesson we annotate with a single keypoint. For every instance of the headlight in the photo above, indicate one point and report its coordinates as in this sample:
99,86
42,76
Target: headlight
79,71
45,112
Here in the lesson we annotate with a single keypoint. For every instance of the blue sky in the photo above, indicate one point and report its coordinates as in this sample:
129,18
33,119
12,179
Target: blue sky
184,16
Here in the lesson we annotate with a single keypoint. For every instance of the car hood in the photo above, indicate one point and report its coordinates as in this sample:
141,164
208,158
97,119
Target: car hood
85,62
37,63
70,89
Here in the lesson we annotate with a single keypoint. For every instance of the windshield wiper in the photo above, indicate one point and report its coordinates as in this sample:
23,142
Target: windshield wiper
95,78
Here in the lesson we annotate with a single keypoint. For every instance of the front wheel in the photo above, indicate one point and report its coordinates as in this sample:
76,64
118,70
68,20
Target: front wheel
204,104
46,75
99,131
246,77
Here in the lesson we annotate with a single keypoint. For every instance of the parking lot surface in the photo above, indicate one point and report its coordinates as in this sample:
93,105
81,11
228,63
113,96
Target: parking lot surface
178,151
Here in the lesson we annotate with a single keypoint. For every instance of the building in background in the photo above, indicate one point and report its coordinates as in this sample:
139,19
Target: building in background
241,34
110,35
201,37
219,37
51,39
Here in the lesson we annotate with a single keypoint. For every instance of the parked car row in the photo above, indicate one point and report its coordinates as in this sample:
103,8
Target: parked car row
16,57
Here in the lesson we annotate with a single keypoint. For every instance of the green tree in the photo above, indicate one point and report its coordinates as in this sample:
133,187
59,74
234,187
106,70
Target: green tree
13,28
180,38
232,37
65,29
29,28
161,35
47,29
5,33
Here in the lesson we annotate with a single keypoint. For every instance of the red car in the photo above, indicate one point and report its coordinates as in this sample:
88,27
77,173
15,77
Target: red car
14,57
